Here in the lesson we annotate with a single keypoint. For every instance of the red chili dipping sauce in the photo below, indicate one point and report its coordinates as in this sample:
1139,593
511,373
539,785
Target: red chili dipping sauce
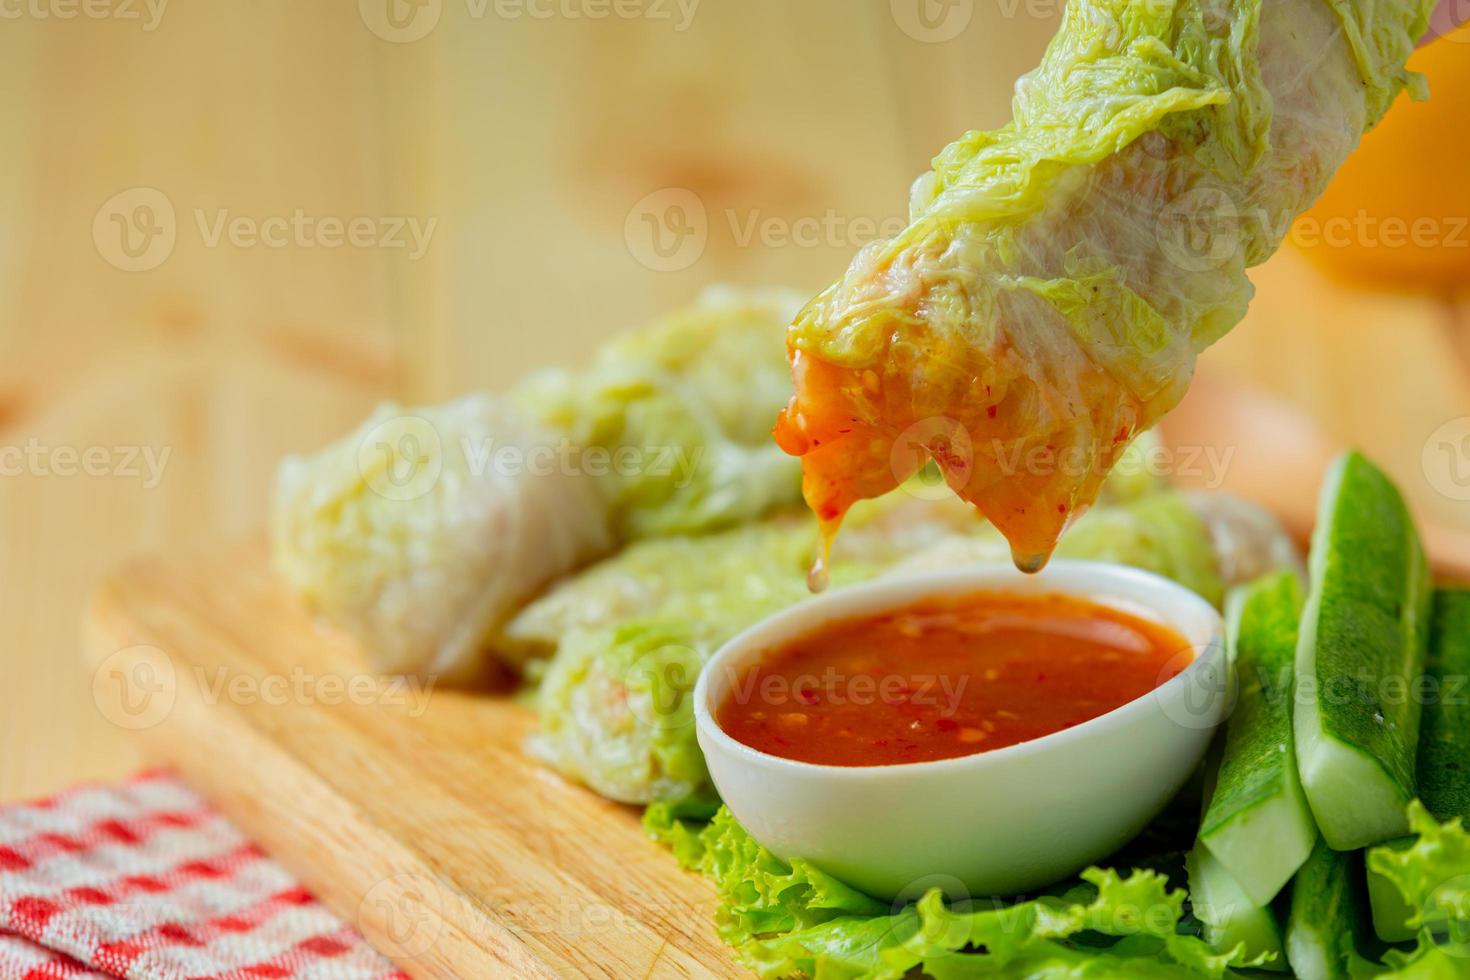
947,677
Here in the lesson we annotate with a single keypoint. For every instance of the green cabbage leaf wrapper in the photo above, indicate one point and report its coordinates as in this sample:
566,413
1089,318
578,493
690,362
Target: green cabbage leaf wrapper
789,919
1059,275
688,402
423,532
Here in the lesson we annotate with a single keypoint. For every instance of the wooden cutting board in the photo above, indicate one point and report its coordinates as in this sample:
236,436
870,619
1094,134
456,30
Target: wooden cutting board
413,814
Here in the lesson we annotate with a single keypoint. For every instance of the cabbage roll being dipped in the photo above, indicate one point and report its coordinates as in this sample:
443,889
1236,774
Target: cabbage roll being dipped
423,532
1059,275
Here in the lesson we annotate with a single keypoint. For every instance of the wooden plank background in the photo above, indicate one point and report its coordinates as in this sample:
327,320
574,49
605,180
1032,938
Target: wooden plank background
540,147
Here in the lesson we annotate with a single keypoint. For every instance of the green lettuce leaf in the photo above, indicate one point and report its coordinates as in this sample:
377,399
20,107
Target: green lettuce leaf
790,918
1432,875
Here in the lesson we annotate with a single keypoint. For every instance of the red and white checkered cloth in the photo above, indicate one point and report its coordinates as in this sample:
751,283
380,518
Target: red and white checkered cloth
145,881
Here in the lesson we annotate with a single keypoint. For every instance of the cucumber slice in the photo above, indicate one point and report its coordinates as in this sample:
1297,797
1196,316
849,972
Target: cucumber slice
1444,736
1229,916
1258,825
1444,745
1361,648
1390,912
1326,916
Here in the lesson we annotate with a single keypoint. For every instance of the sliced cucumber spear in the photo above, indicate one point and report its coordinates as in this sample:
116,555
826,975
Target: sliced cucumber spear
1360,651
1229,916
1391,913
1257,824
1444,734
1326,916
1444,745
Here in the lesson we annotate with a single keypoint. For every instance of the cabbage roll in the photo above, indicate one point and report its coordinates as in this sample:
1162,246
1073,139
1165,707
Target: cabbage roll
1249,541
424,531
687,405
629,635
1059,275
1160,533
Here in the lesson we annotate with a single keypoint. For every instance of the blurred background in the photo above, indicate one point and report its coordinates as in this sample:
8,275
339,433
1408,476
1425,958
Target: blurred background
227,229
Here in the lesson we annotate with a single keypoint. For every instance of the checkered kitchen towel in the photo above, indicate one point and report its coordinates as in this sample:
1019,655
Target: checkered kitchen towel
145,881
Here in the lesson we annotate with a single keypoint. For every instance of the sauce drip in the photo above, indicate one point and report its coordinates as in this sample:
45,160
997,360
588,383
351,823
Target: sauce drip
817,577
947,677
1002,445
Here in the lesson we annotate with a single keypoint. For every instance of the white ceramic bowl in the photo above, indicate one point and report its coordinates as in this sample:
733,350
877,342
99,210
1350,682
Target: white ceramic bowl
1001,822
